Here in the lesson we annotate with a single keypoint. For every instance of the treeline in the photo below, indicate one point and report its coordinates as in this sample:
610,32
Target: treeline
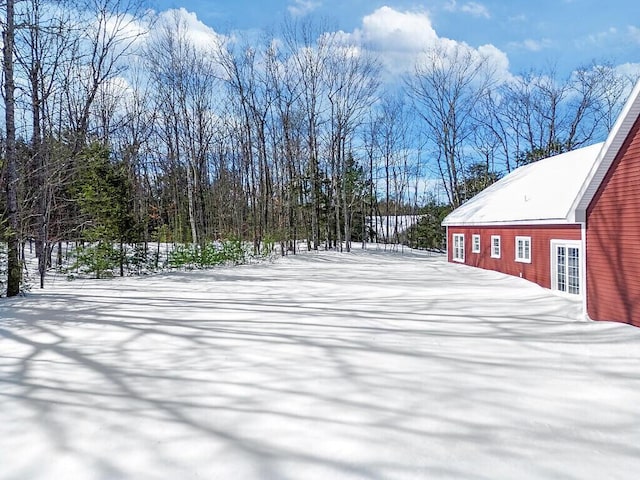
128,129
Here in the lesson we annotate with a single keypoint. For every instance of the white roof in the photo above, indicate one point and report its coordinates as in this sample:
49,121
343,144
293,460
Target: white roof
403,223
542,192
612,145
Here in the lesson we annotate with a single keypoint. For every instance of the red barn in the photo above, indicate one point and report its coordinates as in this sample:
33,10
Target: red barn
570,223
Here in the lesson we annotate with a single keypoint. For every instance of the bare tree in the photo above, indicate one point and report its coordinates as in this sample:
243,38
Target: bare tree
43,45
309,52
494,138
594,101
288,139
107,30
539,114
352,78
389,157
249,76
447,87
184,83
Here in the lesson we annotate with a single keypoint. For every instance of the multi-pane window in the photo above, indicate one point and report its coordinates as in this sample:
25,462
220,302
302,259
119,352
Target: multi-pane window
458,247
561,266
573,270
523,249
475,244
566,265
495,246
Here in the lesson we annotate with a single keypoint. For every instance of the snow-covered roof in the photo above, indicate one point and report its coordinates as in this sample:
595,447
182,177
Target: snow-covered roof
612,145
401,222
542,192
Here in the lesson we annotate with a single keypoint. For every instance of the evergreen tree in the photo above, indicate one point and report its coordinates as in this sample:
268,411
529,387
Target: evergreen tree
103,192
554,147
477,177
428,232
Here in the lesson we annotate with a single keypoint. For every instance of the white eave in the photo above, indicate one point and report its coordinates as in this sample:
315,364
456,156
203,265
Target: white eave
502,223
607,155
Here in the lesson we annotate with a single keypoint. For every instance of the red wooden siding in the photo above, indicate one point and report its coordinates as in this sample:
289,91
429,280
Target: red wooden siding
613,239
538,271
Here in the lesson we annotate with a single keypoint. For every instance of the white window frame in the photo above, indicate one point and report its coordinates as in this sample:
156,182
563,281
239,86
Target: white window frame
475,243
526,249
494,253
458,247
554,244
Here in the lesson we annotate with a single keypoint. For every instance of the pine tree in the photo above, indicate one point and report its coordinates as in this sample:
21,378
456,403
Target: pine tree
103,192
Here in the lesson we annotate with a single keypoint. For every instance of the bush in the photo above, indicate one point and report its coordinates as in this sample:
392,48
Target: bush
233,251
99,258
268,246
183,256
214,253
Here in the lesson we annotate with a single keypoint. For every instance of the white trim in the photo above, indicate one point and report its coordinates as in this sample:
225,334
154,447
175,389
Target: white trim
538,221
553,244
459,248
499,255
526,243
446,246
583,269
474,237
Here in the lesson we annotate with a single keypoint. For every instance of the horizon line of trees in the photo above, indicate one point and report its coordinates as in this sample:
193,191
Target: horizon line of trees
119,134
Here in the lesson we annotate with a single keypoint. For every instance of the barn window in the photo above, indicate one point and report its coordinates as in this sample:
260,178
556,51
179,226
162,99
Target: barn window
565,266
495,246
458,247
475,244
523,249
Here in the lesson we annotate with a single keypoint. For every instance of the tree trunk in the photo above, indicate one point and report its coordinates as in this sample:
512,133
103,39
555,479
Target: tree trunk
191,203
14,268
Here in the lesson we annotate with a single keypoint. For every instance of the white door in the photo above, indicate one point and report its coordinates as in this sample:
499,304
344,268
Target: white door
565,266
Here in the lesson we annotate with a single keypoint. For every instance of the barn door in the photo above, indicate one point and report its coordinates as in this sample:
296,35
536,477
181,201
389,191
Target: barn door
565,267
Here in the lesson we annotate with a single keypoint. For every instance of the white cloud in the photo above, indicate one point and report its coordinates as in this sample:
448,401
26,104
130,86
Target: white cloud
472,8
300,8
629,70
120,31
604,36
124,26
451,6
400,31
396,37
498,58
532,45
399,38
476,9
200,34
518,18
613,37
117,87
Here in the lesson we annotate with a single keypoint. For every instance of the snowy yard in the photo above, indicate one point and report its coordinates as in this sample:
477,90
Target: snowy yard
320,366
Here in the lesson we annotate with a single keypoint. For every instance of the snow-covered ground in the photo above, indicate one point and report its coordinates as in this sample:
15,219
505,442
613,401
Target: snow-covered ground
369,365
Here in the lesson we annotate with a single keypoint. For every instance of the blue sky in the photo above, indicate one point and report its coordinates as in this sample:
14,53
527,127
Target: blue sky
530,34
